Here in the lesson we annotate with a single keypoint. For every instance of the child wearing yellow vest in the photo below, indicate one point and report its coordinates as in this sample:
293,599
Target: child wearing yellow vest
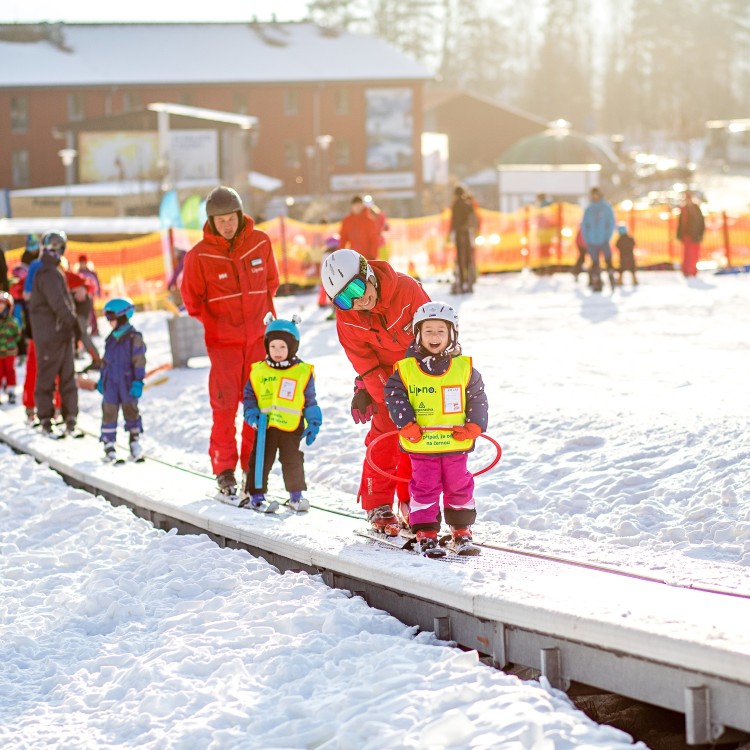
436,399
282,387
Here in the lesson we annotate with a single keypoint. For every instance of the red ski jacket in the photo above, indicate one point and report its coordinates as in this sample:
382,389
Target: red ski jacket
360,232
375,340
229,286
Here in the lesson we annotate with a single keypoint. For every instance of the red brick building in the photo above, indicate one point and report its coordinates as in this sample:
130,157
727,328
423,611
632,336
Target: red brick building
301,82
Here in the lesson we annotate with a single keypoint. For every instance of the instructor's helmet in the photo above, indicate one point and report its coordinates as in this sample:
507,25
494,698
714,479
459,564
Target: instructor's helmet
285,330
6,305
341,270
119,307
55,242
224,200
436,311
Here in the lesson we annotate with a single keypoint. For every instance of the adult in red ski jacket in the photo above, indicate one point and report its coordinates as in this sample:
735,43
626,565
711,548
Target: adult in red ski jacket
360,230
228,283
374,310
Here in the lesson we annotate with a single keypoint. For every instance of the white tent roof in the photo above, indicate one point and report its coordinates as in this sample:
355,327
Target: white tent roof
132,53
81,225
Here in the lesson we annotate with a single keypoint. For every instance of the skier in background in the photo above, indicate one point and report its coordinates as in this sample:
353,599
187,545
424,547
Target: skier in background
375,306
626,247
436,386
10,335
598,225
123,370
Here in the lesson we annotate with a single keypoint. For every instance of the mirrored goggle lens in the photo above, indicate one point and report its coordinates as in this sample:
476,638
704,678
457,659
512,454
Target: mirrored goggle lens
344,300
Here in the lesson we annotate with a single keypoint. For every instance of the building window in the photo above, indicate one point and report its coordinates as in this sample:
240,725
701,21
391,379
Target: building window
130,101
291,153
239,102
20,167
342,153
291,102
75,107
19,114
342,101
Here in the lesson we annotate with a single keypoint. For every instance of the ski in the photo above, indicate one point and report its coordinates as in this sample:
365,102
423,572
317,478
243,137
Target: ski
404,540
407,541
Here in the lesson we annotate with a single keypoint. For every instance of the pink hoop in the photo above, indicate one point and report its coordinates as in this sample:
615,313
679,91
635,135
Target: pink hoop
382,472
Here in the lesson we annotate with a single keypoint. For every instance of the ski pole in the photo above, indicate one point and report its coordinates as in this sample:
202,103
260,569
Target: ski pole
260,450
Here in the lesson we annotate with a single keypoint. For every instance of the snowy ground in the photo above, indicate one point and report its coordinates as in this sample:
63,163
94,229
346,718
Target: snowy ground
623,420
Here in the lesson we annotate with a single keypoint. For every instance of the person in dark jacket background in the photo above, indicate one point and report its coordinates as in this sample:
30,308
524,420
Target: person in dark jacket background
626,246
55,327
463,224
123,370
690,229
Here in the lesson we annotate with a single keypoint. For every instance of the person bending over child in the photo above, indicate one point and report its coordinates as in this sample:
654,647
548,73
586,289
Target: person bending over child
282,387
123,369
437,400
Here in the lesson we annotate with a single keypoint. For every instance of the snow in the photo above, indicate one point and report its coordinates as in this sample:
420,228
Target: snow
623,422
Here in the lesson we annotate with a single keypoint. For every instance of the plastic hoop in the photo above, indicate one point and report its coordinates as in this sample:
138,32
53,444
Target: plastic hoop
382,472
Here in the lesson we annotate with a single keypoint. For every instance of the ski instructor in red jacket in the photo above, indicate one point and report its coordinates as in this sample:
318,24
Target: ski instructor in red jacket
374,310
228,283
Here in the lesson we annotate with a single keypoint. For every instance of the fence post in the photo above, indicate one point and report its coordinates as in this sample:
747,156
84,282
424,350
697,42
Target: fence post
526,232
559,232
670,239
727,245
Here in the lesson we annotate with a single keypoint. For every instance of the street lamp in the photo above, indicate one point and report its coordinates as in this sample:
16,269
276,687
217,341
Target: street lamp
68,156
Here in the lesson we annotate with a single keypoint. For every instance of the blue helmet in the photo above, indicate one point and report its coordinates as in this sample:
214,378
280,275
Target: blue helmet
622,229
286,330
119,307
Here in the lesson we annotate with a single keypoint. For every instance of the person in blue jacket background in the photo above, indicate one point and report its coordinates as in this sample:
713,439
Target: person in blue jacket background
121,378
597,226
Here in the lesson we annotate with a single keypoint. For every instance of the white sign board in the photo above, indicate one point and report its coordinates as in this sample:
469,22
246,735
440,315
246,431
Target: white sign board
369,181
519,185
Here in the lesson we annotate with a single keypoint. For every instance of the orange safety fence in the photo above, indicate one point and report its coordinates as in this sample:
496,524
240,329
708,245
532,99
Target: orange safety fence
532,237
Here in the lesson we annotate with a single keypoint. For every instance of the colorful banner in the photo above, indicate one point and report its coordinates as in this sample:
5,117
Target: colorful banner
531,237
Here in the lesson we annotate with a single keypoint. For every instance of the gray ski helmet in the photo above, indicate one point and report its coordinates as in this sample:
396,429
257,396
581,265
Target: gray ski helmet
224,200
55,242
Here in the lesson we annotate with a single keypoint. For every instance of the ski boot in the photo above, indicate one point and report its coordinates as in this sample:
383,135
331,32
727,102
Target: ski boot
11,398
136,449
109,453
72,430
258,502
383,521
298,503
49,431
461,542
228,488
427,544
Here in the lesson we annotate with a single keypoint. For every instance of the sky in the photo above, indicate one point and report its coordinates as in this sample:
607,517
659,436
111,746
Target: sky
623,420
77,11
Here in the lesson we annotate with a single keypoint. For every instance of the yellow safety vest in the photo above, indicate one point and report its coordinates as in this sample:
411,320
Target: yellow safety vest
438,401
281,393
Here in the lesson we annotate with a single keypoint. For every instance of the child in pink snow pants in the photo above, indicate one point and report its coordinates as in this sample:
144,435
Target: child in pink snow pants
436,399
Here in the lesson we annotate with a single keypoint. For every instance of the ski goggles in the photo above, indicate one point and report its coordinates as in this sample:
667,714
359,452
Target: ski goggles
355,289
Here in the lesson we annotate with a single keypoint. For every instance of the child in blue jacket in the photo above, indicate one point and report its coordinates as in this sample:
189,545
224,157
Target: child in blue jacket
121,378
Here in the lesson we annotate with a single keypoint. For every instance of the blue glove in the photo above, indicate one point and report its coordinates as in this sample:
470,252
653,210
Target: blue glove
136,390
100,385
314,418
311,432
252,416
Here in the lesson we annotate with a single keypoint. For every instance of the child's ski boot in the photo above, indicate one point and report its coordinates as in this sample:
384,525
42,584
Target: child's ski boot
298,503
383,521
427,544
461,542
258,502
110,456
136,449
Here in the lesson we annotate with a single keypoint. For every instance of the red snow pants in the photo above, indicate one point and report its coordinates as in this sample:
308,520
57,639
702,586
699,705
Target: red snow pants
230,369
691,253
374,488
8,370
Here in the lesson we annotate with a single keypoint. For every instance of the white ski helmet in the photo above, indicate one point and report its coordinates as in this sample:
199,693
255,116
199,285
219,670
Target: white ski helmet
340,267
436,311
